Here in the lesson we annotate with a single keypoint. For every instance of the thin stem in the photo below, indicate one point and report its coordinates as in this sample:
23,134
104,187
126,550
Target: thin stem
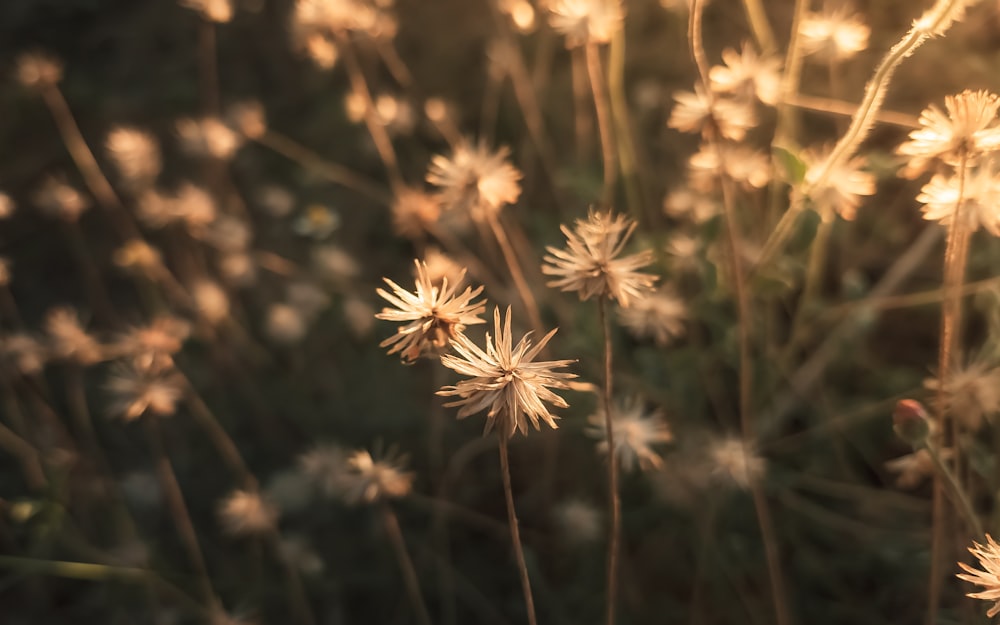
582,121
391,522
609,154
221,439
523,290
515,532
955,491
209,67
785,133
760,26
614,499
628,156
843,108
378,132
31,463
179,510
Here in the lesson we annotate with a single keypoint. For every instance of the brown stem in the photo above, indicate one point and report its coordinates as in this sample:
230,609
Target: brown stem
221,439
515,532
530,305
608,154
406,567
209,67
614,500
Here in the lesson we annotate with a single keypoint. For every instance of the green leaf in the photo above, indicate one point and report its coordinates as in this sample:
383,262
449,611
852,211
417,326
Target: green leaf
794,168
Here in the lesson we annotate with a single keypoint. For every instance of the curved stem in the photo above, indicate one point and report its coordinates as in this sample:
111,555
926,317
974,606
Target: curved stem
515,532
516,274
955,491
614,500
410,578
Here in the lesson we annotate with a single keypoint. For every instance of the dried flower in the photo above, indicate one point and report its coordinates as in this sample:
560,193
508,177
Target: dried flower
138,386
475,180
211,301
334,263
276,201
735,462
834,35
635,431
370,480
914,468
979,196
24,353
964,130
433,315
219,11
709,114
247,513
585,22
285,324
138,256
414,212
843,186
36,70
660,316
68,339
505,380
326,466
308,299
746,74
592,263
135,154
248,118
163,337
989,577
58,199
971,393
749,167
208,137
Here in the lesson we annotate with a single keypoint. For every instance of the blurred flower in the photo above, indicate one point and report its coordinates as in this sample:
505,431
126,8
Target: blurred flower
592,264
971,393
505,380
835,35
276,201
585,22
138,256
237,269
164,336
414,212
285,324
579,522
334,264
635,432
396,114
659,315
208,136
370,480
688,204
336,16
247,513
440,266
747,75
733,461
137,387
211,301
683,247
359,315
24,353
58,199
7,206
475,180
36,70
68,340
433,315
317,222
701,112
842,188
521,13
248,118
980,198
966,129
308,299
743,164
191,206
321,49
326,466
988,577
229,234
912,469
135,154
220,11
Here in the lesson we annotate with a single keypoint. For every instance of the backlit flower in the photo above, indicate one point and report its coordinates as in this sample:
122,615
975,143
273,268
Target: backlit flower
834,35
988,577
505,380
369,479
964,130
735,462
585,21
660,316
138,387
843,187
592,264
247,513
635,431
747,74
135,155
68,339
433,315
980,198
701,112
972,393
475,179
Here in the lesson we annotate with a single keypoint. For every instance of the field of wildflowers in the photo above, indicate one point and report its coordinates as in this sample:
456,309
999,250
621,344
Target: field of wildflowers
499,311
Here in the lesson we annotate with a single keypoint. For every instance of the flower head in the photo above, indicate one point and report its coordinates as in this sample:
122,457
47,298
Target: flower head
971,393
912,469
965,129
749,167
433,315
475,179
635,432
584,22
161,338
747,74
140,385
842,187
36,70
980,195
369,479
219,11
703,112
835,35
660,316
135,155
988,577
247,513
59,199
592,263
505,380
68,339
414,212
734,461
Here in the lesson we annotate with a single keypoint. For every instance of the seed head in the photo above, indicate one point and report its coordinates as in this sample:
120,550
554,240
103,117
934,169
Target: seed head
585,22
135,154
138,386
635,431
475,180
966,129
660,316
836,35
247,513
370,479
708,114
